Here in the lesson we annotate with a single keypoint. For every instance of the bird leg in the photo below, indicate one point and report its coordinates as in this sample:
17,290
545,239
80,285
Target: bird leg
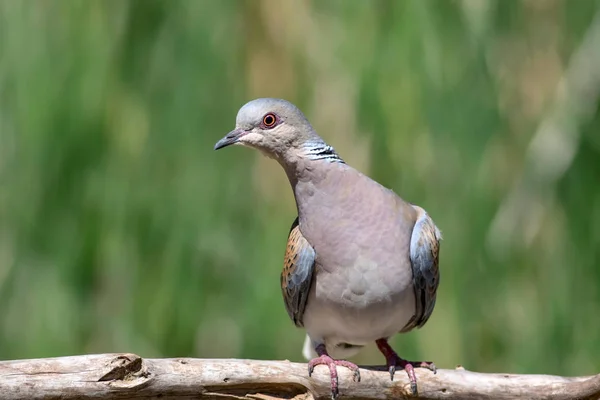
324,359
393,360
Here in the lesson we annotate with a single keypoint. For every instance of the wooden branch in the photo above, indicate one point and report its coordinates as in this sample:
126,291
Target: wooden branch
128,376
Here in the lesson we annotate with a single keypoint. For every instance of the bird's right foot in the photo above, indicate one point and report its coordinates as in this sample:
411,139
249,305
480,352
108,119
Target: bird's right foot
325,359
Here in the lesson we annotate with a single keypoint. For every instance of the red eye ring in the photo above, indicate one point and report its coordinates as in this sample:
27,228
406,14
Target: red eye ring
269,120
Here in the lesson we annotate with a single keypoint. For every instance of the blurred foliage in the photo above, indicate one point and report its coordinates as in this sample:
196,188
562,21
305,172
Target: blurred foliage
122,230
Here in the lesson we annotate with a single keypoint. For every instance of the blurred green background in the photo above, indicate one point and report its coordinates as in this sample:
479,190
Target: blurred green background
122,230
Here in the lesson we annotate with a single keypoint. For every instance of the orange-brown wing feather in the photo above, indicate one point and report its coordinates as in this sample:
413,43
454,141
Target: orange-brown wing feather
424,257
296,277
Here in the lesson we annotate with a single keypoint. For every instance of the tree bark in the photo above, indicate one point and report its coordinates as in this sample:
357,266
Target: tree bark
128,376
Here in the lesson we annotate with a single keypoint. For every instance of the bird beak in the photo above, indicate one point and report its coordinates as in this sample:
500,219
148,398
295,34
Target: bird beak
231,138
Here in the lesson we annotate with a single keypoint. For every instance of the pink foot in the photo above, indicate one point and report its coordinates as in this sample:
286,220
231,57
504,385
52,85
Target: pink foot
393,360
325,359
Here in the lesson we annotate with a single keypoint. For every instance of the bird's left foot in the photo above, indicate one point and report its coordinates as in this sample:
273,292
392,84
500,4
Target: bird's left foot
393,360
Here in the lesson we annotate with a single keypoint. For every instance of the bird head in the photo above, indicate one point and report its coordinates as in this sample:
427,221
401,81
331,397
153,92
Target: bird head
273,126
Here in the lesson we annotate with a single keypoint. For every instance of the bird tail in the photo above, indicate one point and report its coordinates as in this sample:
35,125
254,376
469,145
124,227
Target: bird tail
308,350
339,351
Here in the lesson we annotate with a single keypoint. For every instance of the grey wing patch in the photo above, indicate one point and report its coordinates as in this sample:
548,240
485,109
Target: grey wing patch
296,277
424,257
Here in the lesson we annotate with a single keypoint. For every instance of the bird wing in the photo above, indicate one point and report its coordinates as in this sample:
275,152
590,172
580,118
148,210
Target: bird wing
296,277
424,257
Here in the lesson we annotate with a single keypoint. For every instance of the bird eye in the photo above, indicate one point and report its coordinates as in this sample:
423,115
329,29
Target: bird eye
269,120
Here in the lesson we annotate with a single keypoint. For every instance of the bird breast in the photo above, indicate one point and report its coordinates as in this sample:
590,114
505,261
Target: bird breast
362,288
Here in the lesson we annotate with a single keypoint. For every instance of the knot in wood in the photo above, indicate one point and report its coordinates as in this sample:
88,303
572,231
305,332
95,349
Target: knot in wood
123,367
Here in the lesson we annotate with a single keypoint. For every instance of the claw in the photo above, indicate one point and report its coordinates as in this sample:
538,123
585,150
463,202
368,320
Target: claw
413,388
430,366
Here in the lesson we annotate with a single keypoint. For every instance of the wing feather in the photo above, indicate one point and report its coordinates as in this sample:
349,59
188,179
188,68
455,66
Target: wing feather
424,257
296,277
